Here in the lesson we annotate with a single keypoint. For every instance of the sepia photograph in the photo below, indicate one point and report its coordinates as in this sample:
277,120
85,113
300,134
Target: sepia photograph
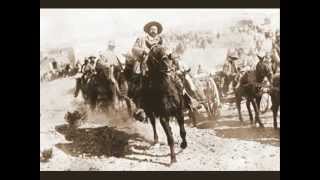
160,89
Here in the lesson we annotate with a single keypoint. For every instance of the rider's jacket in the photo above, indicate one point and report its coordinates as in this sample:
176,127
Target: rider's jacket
143,44
229,68
109,58
85,68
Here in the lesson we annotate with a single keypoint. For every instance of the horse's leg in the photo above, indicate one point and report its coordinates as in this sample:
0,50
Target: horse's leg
257,112
248,101
275,114
183,133
225,85
128,103
92,101
114,101
275,108
238,104
167,129
191,111
153,123
77,87
258,100
192,115
91,96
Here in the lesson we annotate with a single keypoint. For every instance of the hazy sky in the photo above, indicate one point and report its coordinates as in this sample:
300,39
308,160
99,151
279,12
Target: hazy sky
77,26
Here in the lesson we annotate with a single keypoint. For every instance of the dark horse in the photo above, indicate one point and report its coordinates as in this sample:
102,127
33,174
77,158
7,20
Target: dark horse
98,89
163,98
249,85
102,91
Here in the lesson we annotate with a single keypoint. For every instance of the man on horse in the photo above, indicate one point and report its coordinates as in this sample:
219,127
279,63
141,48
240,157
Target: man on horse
139,52
87,71
88,67
109,61
143,44
92,62
230,71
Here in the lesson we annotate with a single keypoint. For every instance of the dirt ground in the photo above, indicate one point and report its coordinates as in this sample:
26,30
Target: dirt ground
109,143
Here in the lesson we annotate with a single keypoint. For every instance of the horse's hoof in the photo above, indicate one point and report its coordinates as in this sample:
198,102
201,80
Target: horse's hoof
275,125
184,145
261,126
173,160
155,142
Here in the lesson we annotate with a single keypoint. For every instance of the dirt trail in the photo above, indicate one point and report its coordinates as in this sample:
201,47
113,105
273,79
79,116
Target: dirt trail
220,146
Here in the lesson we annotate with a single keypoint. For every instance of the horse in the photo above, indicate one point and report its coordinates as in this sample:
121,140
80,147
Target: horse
248,86
102,91
162,96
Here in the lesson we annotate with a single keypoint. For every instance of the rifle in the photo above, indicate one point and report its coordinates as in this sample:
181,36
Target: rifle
120,64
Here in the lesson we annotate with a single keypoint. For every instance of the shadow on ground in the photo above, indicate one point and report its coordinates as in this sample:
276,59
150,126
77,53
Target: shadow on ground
267,135
228,126
105,141
202,121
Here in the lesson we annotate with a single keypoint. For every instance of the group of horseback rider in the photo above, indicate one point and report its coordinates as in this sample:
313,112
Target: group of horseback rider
233,70
175,68
138,56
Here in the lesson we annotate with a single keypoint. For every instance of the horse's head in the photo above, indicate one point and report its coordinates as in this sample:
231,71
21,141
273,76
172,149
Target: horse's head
264,68
184,73
103,71
158,52
158,59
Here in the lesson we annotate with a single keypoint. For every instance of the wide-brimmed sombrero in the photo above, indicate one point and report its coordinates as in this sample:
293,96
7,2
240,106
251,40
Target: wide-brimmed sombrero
233,56
152,23
92,57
